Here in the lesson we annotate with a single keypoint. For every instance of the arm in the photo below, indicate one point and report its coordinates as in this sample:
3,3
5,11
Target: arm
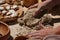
41,8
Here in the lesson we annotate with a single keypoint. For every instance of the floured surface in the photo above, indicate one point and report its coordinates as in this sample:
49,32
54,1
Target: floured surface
17,30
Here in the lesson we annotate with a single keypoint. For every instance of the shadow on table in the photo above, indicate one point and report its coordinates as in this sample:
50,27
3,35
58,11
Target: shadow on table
10,38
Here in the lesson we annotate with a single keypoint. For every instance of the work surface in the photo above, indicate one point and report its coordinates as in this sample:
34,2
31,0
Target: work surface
17,30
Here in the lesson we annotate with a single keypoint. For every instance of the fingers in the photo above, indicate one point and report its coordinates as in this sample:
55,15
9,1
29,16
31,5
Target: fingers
36,37
49,0
33,6
44,32
41,33
57,30
33,34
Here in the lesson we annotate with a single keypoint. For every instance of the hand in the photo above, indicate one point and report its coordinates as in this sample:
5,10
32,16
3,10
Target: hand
44,32
41,33
45,6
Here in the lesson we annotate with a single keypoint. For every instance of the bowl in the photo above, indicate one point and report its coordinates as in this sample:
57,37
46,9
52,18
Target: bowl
4,31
